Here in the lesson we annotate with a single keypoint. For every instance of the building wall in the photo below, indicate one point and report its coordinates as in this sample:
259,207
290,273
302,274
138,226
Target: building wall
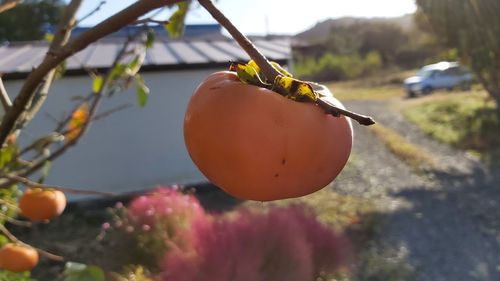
132,149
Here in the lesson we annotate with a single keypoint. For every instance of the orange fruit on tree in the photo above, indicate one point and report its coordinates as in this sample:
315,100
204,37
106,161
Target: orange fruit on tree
256,144
39,204
18,258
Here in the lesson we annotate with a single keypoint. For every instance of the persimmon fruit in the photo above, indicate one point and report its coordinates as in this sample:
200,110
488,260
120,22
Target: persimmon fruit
38,204
258,145
18,258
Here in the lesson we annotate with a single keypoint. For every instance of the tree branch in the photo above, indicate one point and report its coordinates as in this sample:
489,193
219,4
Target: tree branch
108,26
9,4
60,39
31,183
14,239
19,175
4,97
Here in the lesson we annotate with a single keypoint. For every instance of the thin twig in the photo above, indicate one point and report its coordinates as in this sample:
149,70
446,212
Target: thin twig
16,222
150,20
269,71
95,10
4,97
111,111
14,239
31,183
9,4
108,26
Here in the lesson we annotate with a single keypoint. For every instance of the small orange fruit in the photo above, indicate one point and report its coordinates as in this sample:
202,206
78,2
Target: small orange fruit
256,144
18,258
39,204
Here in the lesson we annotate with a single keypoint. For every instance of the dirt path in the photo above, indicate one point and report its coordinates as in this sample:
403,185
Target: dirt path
446,223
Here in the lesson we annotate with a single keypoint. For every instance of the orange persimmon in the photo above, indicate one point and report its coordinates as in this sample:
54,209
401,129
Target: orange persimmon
39,204
258,145
18,258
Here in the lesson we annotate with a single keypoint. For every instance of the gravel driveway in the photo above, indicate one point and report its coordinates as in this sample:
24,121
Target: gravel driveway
446,223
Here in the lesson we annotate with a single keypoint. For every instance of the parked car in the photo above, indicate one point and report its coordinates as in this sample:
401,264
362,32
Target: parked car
442,75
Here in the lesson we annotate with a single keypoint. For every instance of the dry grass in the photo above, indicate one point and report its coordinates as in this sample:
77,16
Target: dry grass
413,155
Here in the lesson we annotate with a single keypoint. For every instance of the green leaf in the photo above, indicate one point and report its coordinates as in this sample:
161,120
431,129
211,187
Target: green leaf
175,25
49,37
150,39
82,272
97,84
117,71
7,154
45,171
60,70
134,66
142,91
3,240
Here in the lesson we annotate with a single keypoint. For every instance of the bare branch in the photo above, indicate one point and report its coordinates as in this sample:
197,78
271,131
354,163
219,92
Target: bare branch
31,183
95,10
14,239
4,97
108,26
9,4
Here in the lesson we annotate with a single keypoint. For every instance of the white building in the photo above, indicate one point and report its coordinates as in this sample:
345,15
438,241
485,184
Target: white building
135,148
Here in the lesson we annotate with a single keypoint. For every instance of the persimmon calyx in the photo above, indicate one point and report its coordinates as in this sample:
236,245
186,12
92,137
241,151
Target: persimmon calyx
294,89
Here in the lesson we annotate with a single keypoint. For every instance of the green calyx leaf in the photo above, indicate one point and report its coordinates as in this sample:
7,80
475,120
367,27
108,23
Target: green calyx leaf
294,89
249,74
284,84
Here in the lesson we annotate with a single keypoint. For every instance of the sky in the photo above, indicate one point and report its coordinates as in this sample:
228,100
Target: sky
269,16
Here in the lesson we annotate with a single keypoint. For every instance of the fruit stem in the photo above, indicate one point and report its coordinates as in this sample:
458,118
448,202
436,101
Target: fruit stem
269,71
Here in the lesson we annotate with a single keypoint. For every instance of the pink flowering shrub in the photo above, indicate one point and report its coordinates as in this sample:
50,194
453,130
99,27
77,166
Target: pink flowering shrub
284,244
156,223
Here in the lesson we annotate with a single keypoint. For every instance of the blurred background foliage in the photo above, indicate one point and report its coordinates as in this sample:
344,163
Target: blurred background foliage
28,20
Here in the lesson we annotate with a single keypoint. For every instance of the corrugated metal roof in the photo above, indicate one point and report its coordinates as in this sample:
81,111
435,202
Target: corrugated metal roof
18,59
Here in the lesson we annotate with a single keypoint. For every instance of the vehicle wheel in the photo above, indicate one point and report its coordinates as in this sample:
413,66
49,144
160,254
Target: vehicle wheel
427,90
411,94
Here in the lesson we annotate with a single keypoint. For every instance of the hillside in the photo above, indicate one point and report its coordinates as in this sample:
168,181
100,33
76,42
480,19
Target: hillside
322,29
